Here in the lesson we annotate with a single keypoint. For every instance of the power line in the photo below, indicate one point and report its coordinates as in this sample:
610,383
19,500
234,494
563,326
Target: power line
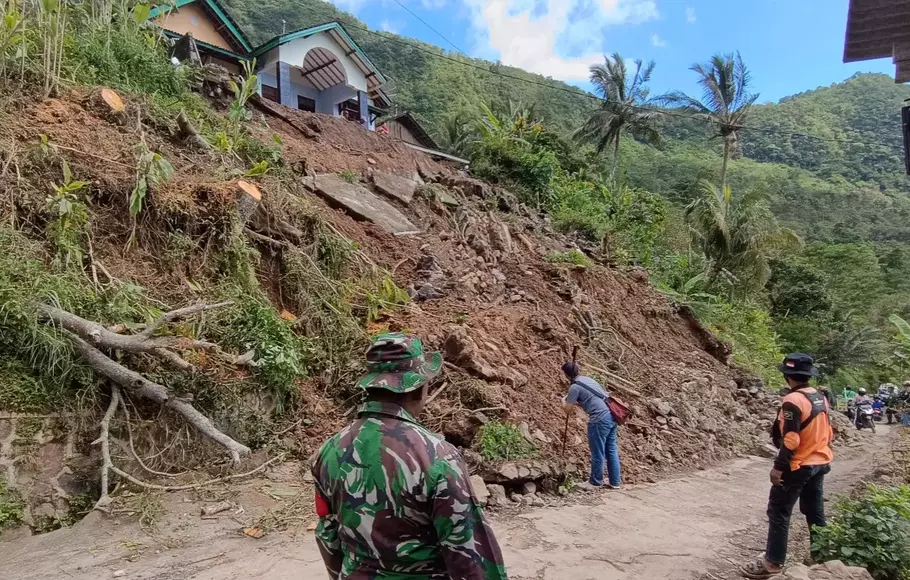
580,92
425,23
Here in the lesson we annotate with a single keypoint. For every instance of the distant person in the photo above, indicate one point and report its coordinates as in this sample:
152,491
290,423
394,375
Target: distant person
394,499
862,398
805,436
587,393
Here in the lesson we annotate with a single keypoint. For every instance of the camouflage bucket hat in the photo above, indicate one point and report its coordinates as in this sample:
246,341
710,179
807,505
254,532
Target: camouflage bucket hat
398,363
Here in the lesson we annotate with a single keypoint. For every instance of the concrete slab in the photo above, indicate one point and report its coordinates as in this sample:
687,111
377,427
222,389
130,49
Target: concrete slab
362,203
394,186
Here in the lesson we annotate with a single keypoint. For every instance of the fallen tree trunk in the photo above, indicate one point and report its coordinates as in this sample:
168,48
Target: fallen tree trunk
137,384
144,342
89,337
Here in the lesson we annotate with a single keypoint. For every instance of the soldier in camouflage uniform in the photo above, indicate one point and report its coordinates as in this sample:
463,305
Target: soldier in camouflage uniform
394,499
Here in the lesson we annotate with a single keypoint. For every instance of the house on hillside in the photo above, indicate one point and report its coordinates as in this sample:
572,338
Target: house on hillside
319,69
407,128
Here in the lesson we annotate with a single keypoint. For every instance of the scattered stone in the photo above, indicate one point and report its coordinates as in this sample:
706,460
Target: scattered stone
362,203
663,407
427,292
516,498
497,495
766,450
754,391
508,471
217,508
524,472
528,488
515,298
662,420
708,424
525,430
500,238
479,418
396,187
498,275
540,436
119,574
481,492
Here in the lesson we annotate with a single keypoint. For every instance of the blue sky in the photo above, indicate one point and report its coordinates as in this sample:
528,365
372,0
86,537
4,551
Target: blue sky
789,45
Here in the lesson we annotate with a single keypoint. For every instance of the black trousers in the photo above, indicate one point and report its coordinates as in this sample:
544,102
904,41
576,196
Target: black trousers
806,485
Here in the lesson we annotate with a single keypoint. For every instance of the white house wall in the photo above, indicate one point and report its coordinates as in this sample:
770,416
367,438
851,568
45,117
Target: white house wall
295,51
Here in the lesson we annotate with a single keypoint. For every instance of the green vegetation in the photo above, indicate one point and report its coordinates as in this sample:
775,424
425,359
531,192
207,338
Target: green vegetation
872,531
12,507
572,256
498,440
626,106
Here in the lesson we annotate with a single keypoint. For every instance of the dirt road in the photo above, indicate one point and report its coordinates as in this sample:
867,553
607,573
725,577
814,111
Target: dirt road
676,529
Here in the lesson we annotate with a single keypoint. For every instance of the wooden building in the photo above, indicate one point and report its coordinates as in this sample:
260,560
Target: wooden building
879,29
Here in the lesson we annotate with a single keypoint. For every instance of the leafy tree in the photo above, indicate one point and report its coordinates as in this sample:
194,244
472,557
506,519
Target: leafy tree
725,103
627,106
737,236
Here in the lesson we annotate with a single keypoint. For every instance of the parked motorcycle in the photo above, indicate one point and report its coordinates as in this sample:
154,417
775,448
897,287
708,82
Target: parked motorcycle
865,417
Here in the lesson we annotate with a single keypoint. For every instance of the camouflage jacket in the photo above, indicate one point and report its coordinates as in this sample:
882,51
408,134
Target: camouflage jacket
394,501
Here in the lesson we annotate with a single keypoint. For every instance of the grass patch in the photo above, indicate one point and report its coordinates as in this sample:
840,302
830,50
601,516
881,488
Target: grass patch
500,440
573,256
12,508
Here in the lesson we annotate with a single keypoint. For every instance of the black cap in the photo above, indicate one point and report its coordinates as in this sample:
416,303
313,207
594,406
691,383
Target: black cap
798,363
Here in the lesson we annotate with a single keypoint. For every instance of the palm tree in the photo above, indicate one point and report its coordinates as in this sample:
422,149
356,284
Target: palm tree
457,134
626,106
725,103
737,237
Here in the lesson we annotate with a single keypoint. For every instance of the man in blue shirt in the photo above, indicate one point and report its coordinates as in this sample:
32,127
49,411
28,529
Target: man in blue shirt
587,393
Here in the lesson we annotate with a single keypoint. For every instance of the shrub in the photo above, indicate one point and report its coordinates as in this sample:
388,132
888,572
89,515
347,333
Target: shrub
572,256
11,507
504,441
872,531
125,58
748,327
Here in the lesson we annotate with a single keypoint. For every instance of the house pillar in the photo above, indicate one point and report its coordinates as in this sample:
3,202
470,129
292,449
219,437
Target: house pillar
285,93
364,103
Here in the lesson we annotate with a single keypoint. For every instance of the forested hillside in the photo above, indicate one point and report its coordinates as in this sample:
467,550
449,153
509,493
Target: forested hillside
826,165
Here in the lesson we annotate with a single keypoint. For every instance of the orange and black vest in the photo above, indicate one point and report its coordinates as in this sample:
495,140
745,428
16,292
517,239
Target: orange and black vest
803,430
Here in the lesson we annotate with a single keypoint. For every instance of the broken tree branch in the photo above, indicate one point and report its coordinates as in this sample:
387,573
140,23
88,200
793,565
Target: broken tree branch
138,384
144,342
105,440
157,487
616,380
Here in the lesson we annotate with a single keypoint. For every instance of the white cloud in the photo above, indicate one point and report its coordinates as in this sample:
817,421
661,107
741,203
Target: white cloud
658,41
389,26
690,14
557,38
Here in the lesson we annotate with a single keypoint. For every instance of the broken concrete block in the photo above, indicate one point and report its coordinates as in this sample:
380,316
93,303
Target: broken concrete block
362,203
481,493
396,187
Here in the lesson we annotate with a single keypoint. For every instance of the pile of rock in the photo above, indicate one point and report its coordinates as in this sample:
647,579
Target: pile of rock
834,570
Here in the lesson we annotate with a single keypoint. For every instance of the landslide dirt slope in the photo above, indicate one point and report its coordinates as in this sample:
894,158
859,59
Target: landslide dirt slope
511,317
505,316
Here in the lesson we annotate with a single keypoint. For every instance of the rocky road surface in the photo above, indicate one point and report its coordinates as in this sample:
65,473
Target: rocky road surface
687,528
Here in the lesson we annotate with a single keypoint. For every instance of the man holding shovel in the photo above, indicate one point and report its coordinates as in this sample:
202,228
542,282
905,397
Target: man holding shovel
587,393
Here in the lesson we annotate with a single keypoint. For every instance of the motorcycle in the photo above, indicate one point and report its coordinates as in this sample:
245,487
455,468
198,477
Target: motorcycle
877,415
864,417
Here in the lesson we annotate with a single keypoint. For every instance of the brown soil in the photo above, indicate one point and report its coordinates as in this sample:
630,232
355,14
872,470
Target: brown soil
521,312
